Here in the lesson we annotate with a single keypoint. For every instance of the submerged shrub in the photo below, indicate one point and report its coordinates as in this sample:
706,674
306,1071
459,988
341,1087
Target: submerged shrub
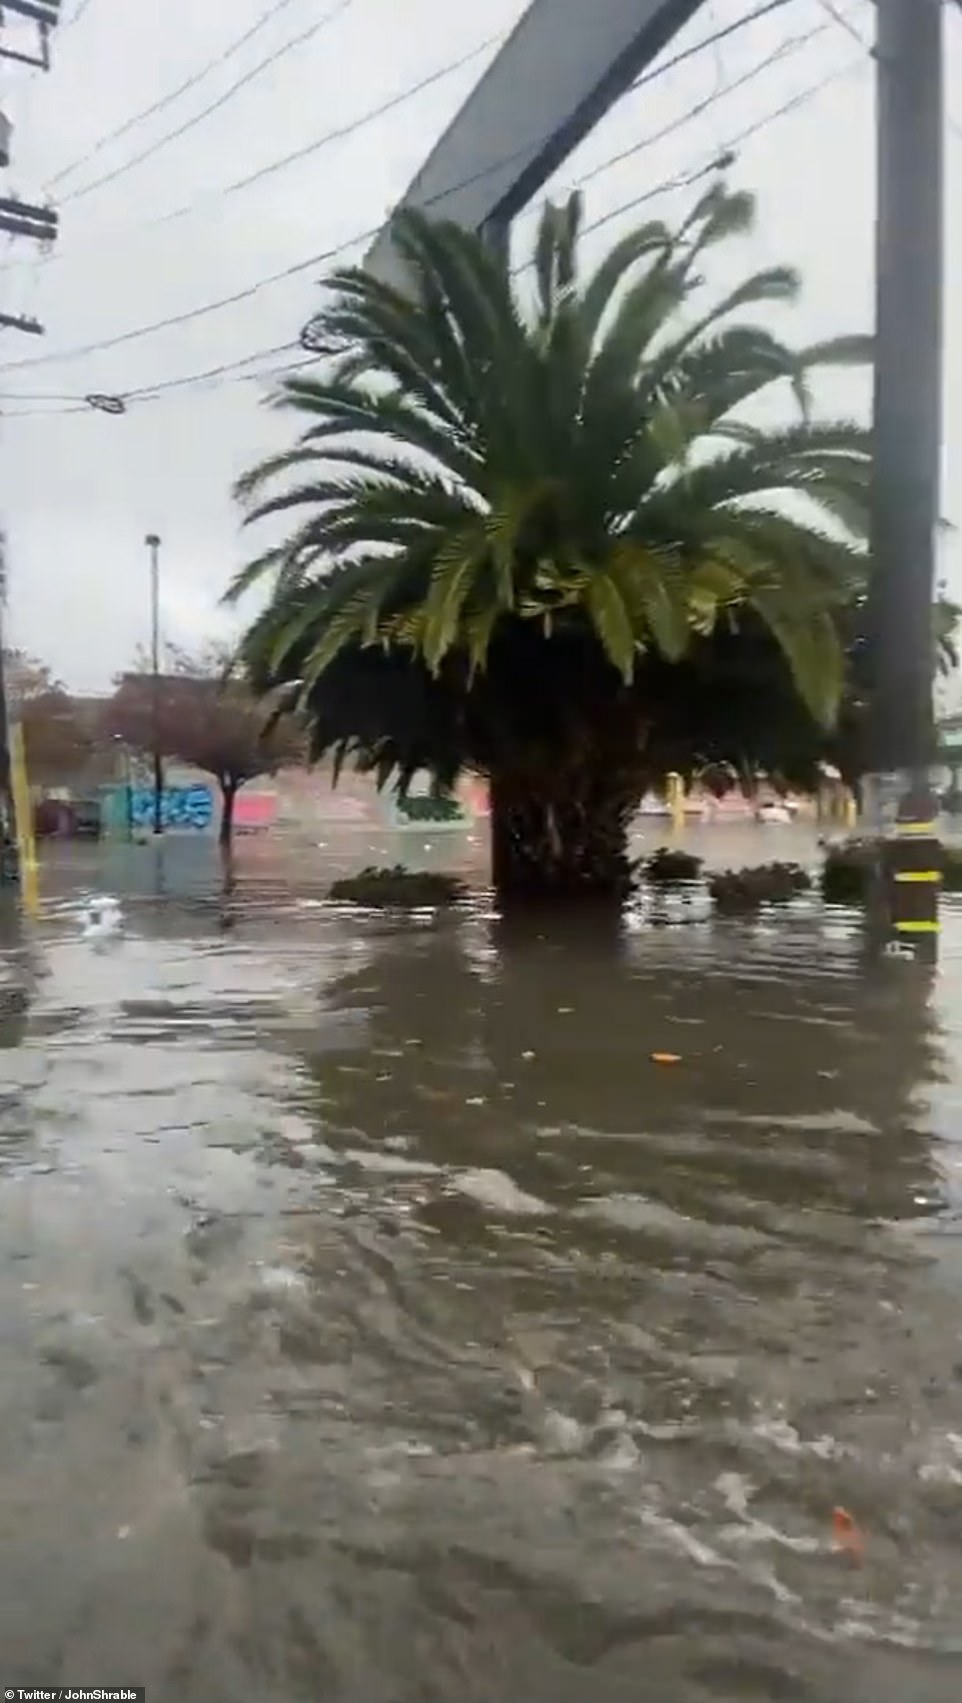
398,887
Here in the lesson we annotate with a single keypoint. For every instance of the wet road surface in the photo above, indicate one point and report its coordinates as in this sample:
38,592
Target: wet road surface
379,1323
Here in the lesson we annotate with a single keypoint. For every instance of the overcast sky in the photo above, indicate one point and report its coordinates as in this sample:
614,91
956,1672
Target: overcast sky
79,490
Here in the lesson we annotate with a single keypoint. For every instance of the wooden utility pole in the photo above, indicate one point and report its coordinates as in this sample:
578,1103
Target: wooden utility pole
23,218
907,452
29,45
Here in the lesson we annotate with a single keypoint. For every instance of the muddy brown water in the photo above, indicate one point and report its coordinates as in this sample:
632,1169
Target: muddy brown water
379,1323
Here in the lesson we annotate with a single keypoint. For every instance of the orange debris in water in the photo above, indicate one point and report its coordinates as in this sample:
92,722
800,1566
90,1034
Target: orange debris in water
847,1537
666,1058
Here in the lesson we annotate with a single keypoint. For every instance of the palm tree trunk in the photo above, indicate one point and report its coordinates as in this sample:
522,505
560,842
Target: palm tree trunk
564,848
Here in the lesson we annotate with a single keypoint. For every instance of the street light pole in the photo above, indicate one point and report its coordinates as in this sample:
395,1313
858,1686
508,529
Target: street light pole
153,545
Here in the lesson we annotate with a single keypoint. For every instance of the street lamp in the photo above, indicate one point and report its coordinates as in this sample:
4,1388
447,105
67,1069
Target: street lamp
152,542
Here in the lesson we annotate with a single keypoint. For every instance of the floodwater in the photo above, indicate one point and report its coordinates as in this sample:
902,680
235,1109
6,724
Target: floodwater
379,1323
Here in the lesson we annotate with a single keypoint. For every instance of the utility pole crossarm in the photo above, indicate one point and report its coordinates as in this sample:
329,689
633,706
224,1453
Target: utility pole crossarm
21,322
19,219
46,15
45,12
26,218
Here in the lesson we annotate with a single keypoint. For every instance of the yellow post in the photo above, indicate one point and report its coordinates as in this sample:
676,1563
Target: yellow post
850,810
676,803
23,814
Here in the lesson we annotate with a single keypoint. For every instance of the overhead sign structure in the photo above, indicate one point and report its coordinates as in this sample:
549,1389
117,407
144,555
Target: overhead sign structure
562,68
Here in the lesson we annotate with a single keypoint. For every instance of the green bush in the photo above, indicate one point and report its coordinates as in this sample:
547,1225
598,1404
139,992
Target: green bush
409,889
669,865
735,892
847,872
426,808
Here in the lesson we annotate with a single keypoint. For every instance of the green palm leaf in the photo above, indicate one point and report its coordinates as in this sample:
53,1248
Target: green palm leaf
608,612
455,571
574,463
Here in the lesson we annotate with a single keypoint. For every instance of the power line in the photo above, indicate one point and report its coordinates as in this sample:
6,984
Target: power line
75,16
145,391
831,10
297,267
226,372
290,272
189,83
829,7
214,106
718,35
720,91
341,133
796,101
300,266
350,128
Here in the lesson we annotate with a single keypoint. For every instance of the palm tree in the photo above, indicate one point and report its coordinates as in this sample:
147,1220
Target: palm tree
529,515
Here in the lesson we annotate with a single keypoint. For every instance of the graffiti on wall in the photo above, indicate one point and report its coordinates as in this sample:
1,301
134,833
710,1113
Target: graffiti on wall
254,811
188,807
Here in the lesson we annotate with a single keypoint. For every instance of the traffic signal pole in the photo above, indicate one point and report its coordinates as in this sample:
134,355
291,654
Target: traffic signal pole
898,797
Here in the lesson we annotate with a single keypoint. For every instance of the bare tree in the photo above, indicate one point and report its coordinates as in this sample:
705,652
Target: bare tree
204,716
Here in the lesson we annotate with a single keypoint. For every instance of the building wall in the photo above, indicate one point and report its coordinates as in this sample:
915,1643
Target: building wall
293,801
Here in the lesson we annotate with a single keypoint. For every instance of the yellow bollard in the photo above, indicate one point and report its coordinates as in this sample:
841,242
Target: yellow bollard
850,811
23,814
676,803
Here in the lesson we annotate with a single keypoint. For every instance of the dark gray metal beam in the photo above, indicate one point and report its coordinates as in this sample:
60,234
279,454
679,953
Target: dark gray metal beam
564,65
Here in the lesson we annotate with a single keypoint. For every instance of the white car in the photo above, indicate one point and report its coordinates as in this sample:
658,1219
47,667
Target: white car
775,813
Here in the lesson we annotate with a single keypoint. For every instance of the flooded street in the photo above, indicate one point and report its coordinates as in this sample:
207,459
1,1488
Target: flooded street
379,1324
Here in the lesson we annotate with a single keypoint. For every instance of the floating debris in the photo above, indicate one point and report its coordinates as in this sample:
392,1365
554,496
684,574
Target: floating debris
847,1538
498,1193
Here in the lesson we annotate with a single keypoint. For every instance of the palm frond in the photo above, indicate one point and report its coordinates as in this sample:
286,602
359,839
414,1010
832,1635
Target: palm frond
253,572
456,568
609,614
601,291
579,471
718,215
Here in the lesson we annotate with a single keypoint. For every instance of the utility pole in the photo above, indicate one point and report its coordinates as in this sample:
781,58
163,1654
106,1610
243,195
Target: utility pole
30,46
907,452
152,542
24,218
